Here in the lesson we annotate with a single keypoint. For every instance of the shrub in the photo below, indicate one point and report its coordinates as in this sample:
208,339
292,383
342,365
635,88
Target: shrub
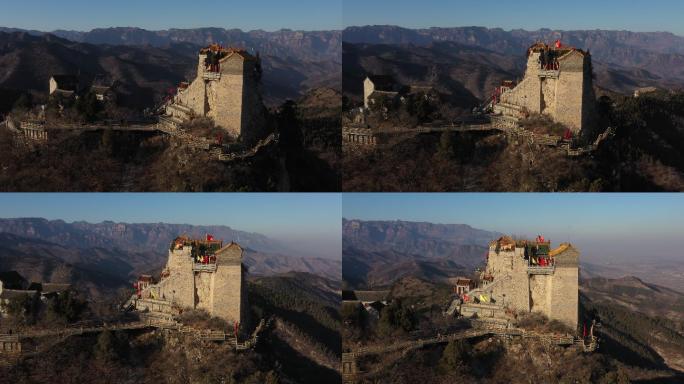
455,356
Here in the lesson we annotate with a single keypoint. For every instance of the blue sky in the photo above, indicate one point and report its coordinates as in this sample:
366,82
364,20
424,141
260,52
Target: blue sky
605,226
634,15
307,222
48,15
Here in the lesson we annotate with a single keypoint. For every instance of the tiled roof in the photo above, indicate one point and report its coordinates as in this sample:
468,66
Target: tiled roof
228,51
564,50
562,248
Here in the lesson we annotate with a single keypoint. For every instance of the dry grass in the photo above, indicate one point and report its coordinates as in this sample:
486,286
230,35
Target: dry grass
199,318
540,323
543,125
205,127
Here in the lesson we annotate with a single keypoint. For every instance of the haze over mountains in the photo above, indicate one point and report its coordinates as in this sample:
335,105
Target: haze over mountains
623,60
642,323
106,254
148,63
377,253
303,45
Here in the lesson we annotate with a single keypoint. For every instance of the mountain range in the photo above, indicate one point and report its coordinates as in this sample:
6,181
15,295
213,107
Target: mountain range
146,63
622,60
377,253
103,256
143,74
302,45
642,324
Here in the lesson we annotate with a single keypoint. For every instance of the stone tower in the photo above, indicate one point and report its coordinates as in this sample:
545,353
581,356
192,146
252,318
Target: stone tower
557,83
201,275
528,276
226,89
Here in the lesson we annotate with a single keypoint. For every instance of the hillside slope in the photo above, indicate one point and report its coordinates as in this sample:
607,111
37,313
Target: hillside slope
642,323
146,72
658,53
468,74
378,253
126,250
29,61
301,345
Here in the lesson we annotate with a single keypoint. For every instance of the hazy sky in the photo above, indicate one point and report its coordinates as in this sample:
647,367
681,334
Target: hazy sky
604,226
307,222
48,15
634,15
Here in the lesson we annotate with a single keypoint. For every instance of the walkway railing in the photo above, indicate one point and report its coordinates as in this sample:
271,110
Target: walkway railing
204,267
549,73
537,270
211,75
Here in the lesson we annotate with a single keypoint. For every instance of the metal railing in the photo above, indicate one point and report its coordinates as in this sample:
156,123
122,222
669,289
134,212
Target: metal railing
549,73
9,338
537,270
211,75
204,267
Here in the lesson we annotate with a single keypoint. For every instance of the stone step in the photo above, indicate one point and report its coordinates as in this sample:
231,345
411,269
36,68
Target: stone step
168,119
181,107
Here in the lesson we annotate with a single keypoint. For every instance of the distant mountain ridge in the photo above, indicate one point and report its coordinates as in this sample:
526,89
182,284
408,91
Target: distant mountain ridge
143,74
143,248
427,239
146,72
307,45
518,40
642,323
635,58
131,237
377,253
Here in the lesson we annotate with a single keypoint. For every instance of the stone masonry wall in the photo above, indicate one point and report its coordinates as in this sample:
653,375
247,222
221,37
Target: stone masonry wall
221,293
195,96
527,93
229,300
540,290
567,98
225,95
253,113
555,295
570,91
232,101
506,265
203,290
564,300
180,287
368,89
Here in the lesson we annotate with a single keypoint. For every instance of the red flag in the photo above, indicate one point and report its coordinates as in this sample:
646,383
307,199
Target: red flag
210,237
567,135
558,44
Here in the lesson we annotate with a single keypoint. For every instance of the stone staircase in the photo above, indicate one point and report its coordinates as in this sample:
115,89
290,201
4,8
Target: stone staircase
171,125
504,122
179,111
272,138
609,132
